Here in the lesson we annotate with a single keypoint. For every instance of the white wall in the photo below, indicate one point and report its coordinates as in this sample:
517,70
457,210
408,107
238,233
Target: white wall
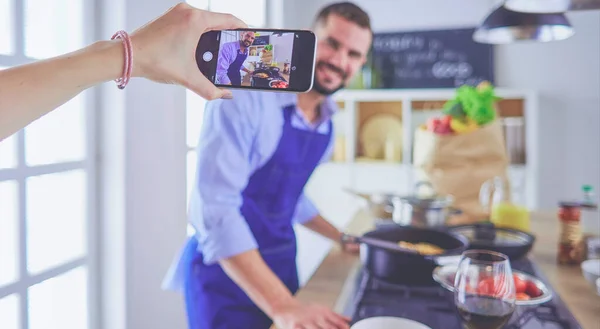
282,47
566,74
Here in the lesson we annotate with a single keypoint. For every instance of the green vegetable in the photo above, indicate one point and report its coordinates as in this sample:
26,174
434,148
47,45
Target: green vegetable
477,103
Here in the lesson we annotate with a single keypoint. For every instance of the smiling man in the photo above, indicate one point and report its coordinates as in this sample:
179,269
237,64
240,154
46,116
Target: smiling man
256,153
231,59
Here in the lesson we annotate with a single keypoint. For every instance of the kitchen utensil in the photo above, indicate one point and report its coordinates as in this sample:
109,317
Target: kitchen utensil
591,270
484,291
394,264
378,129
416,210
388,322
445,276
495,198
513,243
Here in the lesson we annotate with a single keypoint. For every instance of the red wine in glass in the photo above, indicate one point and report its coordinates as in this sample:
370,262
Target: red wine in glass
480,312
484,291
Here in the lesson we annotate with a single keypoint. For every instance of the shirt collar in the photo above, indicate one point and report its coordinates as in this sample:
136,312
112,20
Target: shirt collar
328,106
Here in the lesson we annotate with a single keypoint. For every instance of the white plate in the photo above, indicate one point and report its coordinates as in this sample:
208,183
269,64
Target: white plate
388,322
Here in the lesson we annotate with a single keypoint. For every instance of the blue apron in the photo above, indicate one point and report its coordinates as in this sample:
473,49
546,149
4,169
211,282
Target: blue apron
212,299
233,72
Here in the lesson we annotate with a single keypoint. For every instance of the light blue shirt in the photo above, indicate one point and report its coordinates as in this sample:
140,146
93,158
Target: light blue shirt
238,137
227,55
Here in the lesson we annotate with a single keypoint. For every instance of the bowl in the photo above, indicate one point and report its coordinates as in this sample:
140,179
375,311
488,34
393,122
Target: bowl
280,84
388,322
444,275
591,270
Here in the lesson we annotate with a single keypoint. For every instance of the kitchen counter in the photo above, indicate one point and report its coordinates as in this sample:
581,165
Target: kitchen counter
332,283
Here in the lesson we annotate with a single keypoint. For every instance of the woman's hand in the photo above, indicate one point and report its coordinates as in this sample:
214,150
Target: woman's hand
164,50
295,315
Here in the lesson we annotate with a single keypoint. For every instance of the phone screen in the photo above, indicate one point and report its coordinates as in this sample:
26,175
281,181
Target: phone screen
281,60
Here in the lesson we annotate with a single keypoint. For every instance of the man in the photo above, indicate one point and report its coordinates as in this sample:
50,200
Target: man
256,153
231,59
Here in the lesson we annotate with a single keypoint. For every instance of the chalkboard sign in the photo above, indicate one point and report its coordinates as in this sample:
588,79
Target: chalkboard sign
431,59
261,40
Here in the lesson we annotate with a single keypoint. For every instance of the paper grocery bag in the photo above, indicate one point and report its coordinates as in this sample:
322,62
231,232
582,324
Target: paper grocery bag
459,164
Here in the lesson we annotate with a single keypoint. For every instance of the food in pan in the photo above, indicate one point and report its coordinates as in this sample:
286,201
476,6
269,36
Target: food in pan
261,75
422,248
278,84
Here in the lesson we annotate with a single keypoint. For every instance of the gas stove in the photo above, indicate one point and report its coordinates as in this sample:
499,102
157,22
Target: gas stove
433,305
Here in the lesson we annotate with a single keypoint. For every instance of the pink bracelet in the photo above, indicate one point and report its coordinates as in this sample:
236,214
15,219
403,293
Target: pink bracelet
122,81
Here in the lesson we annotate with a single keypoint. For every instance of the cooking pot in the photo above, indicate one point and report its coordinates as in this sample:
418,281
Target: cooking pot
415,210
381,255
411,210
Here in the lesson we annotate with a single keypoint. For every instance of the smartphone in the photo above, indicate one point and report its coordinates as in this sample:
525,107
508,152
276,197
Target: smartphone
259,59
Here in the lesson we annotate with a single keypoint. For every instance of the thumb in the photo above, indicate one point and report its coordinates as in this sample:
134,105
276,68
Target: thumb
207,90
220,21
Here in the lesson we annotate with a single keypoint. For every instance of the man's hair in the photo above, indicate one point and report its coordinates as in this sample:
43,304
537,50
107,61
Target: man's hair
347,10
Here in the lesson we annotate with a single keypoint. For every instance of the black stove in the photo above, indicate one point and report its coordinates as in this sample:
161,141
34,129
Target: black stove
433,305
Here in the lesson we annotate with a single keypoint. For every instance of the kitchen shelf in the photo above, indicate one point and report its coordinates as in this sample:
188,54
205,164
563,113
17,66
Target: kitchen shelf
413,107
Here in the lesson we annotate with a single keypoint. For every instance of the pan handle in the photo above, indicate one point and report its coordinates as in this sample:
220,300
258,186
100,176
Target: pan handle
391,246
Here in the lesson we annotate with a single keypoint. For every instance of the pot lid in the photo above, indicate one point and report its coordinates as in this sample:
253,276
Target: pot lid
488,234
429,199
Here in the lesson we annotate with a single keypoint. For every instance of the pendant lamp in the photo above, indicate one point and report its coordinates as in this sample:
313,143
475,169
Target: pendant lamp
538,6
504,26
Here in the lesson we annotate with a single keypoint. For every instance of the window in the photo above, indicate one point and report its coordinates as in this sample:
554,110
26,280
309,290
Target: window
45,181
253,12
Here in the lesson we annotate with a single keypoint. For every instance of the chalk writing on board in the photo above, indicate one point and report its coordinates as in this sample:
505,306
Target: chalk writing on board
431,59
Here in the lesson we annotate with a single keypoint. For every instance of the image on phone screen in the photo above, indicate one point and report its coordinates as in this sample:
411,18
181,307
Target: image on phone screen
281,60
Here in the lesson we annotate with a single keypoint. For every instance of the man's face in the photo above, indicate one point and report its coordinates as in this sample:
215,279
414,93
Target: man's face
341,51
247,38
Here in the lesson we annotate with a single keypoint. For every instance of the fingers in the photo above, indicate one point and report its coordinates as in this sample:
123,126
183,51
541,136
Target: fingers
219,21
337,321
207,89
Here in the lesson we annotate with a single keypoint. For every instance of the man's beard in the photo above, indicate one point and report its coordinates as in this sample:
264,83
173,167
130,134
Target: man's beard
318,87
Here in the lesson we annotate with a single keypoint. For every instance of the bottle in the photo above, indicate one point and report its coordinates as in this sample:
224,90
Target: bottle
590,220
570,245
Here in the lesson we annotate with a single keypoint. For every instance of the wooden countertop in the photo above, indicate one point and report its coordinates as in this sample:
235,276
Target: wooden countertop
332,282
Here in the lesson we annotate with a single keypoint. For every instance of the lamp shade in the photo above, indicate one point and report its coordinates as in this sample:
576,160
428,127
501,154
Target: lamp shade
506,26
538,6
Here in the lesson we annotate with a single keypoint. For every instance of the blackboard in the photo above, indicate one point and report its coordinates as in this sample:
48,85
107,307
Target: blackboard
431,59
261,40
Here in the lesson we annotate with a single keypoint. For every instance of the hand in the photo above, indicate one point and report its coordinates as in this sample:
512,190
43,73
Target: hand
351,247
296,315
164,49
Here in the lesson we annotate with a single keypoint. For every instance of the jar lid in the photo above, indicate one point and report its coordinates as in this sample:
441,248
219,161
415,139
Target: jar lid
569,204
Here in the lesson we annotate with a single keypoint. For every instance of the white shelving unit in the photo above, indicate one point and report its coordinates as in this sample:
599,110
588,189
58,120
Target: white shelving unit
413,107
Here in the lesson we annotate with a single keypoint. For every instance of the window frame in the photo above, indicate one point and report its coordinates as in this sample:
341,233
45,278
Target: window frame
22,171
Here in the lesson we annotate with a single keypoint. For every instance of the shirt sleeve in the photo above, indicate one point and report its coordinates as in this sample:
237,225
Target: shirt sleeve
223,62
223,171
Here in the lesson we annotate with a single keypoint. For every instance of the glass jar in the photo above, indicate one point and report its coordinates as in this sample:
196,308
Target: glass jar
570,248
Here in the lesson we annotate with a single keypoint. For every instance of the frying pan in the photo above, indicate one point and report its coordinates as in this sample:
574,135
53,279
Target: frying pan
381,255
513,243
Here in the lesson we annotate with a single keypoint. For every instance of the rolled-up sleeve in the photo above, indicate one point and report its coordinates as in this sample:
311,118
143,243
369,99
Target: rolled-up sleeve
305,210
222,174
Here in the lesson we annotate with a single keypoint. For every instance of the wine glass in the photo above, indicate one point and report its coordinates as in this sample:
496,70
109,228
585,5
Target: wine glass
484,289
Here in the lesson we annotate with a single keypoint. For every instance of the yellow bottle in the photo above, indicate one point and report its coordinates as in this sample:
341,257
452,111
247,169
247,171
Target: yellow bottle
494,196
508,215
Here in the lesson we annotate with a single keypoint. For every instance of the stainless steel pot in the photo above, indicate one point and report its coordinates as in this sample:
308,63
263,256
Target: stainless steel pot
411,210
431,211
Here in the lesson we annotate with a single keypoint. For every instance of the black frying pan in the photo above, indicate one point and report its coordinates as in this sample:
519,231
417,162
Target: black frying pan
383,258
513,243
